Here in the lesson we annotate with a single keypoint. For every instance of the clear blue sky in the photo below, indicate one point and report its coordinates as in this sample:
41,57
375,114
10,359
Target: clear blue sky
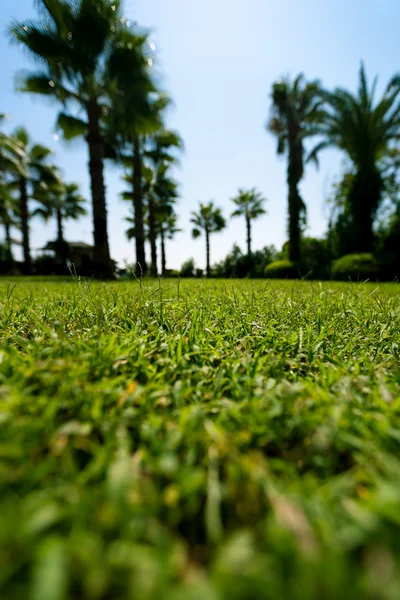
219,59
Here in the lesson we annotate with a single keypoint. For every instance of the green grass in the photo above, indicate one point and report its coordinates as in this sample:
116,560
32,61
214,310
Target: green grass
199,440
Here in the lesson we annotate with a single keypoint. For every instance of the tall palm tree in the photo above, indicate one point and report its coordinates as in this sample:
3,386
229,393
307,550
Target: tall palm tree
295,111
366,131
72,41
209,219
137,108
249,204
31,177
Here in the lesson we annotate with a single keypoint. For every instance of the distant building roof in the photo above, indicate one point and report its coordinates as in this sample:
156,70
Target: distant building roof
72,245
79,245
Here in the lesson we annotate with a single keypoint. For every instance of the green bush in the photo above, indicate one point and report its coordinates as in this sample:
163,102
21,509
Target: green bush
281,269
315,260
6,262
382,266
358,266
239,265
188,268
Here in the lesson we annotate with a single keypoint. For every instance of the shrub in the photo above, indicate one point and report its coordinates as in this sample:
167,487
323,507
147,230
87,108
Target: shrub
6,262
237,264
315,258
48,264
188,268
358,266
281,269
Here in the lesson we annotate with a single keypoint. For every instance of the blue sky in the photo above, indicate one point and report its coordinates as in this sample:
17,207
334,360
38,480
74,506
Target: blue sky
219,59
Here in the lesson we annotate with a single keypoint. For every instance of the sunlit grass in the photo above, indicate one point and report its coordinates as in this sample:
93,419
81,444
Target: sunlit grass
199,439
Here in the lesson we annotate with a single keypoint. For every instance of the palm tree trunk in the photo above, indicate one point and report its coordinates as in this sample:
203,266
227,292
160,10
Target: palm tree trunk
248,228
102,260
7,231
364,201
152,236
364,236
208,267
60,232
62,246
163,256
294,209
138,205
25,225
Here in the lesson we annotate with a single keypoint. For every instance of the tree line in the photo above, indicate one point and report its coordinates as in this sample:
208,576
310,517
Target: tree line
98,67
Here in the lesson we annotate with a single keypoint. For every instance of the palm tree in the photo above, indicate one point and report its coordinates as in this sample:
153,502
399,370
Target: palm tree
161,193
137,108
61,201
160,152
209,219
296,109
148,185
72,42
168,230
9,163
31,177
366,131
9,153
8,210
250,206
135,194
165,191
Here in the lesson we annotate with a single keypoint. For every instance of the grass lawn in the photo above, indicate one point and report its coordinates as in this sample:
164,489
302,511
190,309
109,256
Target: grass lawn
199,441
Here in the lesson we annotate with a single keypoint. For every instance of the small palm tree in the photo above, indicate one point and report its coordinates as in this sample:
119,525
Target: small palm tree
366,131
148,185
61,201
168,230
295,111
138,230
166,195
160,152
250,206
9,164
209,219
31,177
8,215
72,42
161,193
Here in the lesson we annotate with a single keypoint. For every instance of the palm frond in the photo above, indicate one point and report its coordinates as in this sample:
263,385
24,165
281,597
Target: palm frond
42,82
39,153
71,126
22,136
196,233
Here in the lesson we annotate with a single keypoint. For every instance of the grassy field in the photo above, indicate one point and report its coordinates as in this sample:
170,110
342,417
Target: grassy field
199,441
